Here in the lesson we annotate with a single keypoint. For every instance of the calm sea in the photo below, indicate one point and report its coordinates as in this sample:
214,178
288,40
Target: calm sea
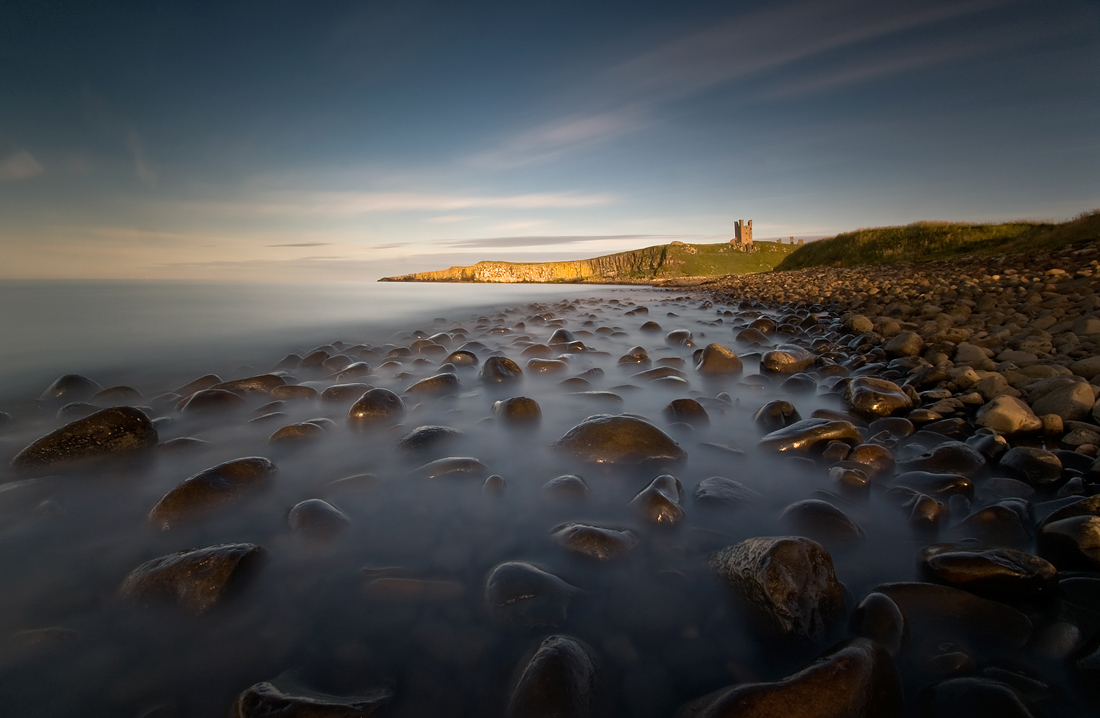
135,332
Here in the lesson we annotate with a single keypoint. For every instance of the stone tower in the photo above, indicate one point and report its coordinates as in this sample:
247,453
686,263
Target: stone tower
742,236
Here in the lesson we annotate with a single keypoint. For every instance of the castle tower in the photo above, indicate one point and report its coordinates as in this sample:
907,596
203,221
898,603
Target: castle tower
742,234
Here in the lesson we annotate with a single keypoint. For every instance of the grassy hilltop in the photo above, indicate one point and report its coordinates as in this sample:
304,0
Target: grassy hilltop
926,241
661,262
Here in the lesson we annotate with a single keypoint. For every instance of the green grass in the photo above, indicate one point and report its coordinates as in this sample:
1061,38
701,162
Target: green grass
926,241
718,259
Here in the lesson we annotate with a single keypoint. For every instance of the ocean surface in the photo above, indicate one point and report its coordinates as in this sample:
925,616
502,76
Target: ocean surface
120,332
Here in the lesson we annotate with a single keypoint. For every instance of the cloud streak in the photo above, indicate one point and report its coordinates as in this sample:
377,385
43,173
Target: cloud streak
19,166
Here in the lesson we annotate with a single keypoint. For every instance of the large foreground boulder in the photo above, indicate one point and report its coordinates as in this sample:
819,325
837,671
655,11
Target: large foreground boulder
116,431
211,488
193,580
264,700
559,680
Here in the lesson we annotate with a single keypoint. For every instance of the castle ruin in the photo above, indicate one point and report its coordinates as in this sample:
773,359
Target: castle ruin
742,235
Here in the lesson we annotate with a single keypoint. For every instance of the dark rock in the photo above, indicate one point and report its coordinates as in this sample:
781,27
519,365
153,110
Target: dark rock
377,406
438,385
203,382
454,467
752,336
720,492
688,411
873,459
69,388
787,359
936,484
317,519
194,580
561,336
344,392
717,360
619,440
877,617
1000,524
972,696
76,410
118,396
500,370
570,487
898,427
1072,542
296,392
211,401
518,411
461,359
799,384
494,485
679,337
264,700
636,355
547,366
425,439
1035,466
296,433
559,680
904,344
875,398
661,372
659,502
650,326
597,542
517,592
806,435
211,488
949,456
114,432
990,445
260,385
775,415
788,581
996,573
934,613
821,521
857,679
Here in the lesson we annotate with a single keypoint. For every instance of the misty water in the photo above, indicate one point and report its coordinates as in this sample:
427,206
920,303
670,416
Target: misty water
662,628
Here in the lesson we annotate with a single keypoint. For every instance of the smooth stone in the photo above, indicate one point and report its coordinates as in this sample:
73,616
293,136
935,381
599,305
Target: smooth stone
995,573
296,433
752,336
259,385
454,467
1008,415
878,618
500,370
619,440
462,359
437,385
211,401
717,360
799,384
688,411
1035,466
294,392
117,396
518,592
377,406
494,485
1069,399
659,502
558,682
427,439
194,580
264,700
518,411
948,456
561,336
821,521
354,370
803,436
975,696
1072,542
203,382
679,337
118,431
69,388
317,519
787,359
344,392
873,459
788,581
720,492
547,366
875,398
569,487
932,611
636,355
858,679
661,372
211,488
936,484
596,542
776,415
990,445
904,344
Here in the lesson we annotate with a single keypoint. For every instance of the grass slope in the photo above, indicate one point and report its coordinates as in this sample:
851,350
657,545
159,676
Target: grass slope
926,241
710,260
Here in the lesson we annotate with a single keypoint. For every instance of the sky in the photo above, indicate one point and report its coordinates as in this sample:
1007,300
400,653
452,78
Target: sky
291,141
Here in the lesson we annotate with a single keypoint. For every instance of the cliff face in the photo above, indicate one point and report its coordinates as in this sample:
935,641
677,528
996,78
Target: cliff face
638,264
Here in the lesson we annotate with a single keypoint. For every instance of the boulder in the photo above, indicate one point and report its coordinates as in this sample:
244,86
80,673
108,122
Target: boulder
1035,466
194,580
69,388
776,414
559,680
787,359
996,573
659,502
904,344
821,521
317,519
518,592
211,488
1008,415
717,360
264,700
518,411
619,440
375,407
596,542
935,613
807,435
113,432
720,492
500,370
1072,400
876,398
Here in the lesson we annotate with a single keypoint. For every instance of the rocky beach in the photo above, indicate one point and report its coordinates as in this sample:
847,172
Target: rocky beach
830,492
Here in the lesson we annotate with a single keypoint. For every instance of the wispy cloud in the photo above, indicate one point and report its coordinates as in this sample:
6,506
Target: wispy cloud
18,166
302,244
504,242
449,218
354,204
630,95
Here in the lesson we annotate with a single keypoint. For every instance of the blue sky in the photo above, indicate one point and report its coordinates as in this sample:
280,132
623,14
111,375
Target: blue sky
292,141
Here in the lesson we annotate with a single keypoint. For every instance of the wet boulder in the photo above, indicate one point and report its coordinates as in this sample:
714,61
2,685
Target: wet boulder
295,433
873,459
775,415
259,385
377,406
461,359
636,355
822,522
114,432
935,613
857,679
500,370
688,411
69,388
659,502
879,618
875,398
936,484
546,366
807,435
619,440
437,385
1003,523
678,338
949,456
194,580
1008,415
454,467
1072,542
211,401
787,359
518,411
787,581
559,680
264,700
974,696
720,492
717,360
428,439
317,519
211,488
569,487
1037,467
518,592
595,542
338,393
995,573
